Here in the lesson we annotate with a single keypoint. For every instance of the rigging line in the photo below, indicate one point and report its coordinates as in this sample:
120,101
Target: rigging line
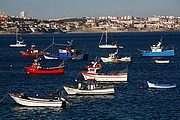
77,75
23,69
101,38
62,44
48,47
4,97
83,48
62,64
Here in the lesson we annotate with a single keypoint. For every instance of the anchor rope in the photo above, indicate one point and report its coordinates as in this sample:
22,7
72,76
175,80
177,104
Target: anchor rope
23,69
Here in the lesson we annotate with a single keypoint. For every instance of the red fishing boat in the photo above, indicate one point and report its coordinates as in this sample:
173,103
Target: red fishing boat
36,68
32,52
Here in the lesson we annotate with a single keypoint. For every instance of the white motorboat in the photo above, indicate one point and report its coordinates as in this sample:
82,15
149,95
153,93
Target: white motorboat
24,100
90,88
113,58
162,61
160,85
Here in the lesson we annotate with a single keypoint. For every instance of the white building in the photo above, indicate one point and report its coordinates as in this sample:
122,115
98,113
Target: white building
1,12
154,18
23,14
112,17
128,17
103,18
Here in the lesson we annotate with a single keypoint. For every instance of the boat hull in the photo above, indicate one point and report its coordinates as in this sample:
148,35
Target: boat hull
116,60
152,85
120,77
31,70
24,53
17,45
66,57
162,61
102,91
108,46
158,54
36,102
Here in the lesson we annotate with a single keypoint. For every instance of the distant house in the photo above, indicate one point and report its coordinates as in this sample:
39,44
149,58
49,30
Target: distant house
154,18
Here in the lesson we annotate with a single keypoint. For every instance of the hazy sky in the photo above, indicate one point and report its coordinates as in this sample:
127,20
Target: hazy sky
43,9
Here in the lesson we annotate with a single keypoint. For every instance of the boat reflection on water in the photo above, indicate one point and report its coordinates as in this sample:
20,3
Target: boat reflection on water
91,97
22,109
40,113
35,75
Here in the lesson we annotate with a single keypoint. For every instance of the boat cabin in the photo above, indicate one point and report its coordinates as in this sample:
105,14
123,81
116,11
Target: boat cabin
94,68
88,85
69,52
157,48
37,63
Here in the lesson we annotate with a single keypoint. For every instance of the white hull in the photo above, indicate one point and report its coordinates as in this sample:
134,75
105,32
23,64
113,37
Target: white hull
125,59
162,61
108,46
100,91
50,58
151,85
17,45
107,78
35,102
115,60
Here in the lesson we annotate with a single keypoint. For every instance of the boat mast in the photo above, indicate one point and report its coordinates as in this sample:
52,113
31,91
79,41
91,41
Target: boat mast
106,37
16,36
53,45
161,39
101,38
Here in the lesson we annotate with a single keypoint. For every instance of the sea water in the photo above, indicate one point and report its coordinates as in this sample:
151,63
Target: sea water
131,101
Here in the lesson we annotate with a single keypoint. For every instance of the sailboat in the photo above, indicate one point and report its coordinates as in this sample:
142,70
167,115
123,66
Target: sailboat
106,45
19,43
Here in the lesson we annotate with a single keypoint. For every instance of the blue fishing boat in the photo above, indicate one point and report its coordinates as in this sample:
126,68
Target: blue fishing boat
68,53
158,51
160,85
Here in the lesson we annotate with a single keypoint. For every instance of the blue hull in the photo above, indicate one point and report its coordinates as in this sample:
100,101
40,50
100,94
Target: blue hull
158,54
66,57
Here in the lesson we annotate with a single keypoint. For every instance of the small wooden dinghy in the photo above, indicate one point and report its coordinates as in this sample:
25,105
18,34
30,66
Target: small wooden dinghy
22,99
160,85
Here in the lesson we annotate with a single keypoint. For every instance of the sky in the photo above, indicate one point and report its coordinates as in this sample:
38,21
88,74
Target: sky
45,9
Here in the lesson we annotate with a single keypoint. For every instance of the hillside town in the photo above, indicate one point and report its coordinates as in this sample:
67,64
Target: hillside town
25,24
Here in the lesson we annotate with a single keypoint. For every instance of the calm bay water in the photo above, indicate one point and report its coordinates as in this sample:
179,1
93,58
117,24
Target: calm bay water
129,102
